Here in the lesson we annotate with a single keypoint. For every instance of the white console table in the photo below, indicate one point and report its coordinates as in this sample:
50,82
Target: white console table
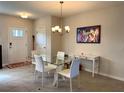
94,59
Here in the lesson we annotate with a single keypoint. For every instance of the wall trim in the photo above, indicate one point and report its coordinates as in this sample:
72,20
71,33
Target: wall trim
3,65
111,76
106,75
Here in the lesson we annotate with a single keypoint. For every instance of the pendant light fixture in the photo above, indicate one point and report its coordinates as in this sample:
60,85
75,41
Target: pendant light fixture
59,28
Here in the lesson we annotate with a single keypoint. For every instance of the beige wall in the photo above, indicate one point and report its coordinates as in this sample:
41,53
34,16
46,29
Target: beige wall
44,23
55,39
111,48
10,21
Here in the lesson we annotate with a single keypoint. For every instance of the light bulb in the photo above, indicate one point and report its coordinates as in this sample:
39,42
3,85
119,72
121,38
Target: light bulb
53,29
67,28
60,30
24,15
57,28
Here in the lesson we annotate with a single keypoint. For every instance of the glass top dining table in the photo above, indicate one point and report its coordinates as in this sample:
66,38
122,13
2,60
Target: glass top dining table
59,67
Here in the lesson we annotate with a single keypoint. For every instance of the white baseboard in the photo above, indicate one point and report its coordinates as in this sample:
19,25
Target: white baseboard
4,65
88,70
107,75
111,76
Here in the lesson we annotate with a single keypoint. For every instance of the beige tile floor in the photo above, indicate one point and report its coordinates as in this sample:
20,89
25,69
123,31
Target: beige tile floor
21,79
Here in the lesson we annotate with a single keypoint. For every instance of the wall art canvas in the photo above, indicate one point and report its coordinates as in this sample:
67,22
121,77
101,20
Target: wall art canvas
89,34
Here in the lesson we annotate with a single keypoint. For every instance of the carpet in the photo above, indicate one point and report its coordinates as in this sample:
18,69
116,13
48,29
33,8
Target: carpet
20,64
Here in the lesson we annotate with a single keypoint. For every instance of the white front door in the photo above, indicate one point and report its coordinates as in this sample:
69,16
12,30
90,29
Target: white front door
17,45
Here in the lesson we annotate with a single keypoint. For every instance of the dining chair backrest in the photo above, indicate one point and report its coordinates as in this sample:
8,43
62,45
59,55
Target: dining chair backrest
74,68
39,63
33,52
60,57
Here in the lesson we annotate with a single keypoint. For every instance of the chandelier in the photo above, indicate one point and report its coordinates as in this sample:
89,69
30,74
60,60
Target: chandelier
59,28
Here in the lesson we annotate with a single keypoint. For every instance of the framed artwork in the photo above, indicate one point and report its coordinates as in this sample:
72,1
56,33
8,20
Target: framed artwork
89,34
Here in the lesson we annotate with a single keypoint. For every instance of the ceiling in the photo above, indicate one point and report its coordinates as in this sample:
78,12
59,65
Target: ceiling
36,9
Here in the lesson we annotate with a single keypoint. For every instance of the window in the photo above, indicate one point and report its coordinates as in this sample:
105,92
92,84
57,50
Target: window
17,32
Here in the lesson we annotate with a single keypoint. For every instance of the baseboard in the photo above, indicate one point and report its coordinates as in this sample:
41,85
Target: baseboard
3,65
111,76
106,75
88,70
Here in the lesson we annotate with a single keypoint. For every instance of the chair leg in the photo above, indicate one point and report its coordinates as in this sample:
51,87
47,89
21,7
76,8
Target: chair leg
63,78
57,77
42,79
35,74
70,84
79,81
48,74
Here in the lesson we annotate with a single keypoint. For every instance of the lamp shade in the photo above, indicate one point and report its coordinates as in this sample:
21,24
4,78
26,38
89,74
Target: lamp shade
60,30
56,27
53,29
67,28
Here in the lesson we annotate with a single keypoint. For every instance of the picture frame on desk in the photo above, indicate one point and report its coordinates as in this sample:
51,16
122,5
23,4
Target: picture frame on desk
89,34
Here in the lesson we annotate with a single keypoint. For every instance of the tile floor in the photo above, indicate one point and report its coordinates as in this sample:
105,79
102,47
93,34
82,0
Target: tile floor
21,79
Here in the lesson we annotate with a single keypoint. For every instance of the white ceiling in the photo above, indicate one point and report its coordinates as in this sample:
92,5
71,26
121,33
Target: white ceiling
41,8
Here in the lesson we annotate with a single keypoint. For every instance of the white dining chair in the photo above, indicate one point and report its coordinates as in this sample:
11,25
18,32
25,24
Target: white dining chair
41,67
59,60
72,72
60,57
33,52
